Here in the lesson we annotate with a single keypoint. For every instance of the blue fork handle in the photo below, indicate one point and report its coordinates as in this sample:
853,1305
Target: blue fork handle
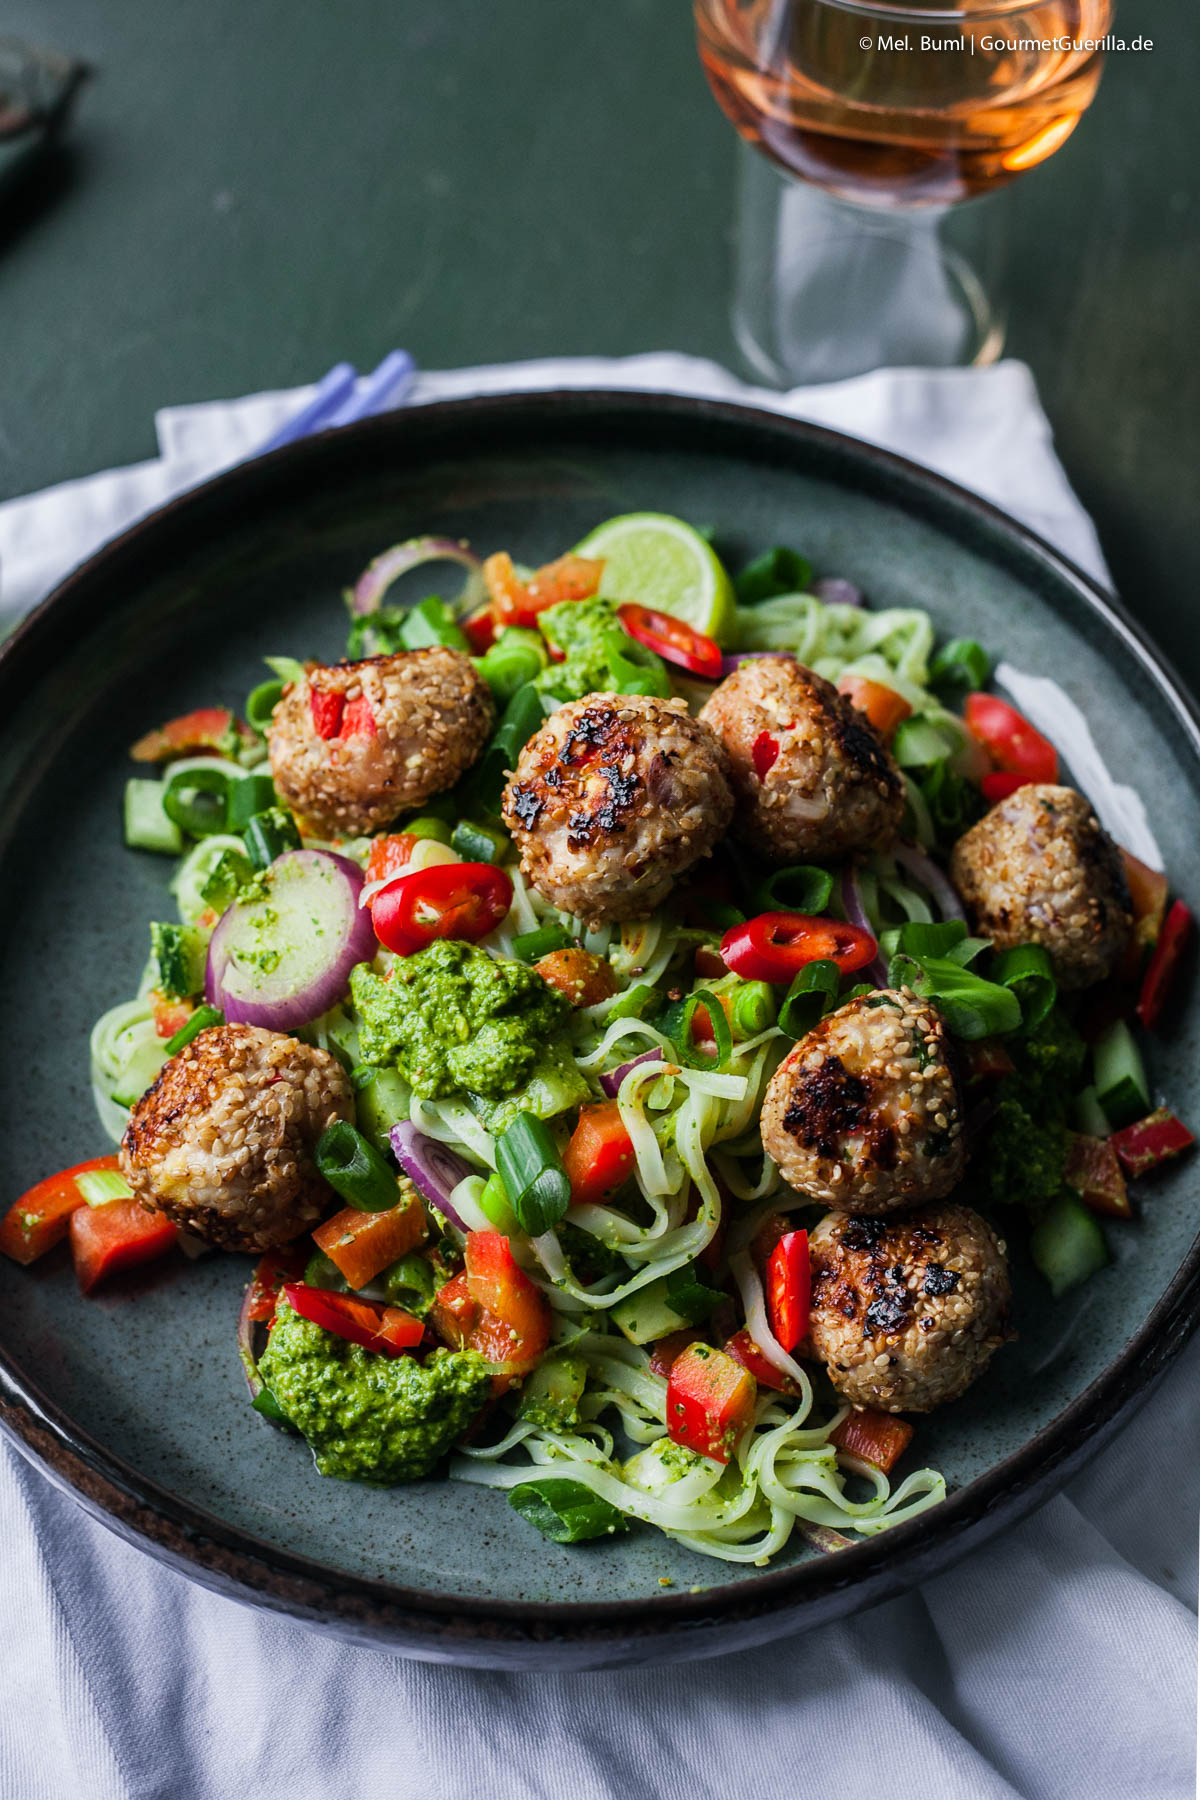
388,385
331,392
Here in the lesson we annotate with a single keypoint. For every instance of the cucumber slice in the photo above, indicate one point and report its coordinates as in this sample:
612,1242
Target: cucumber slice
178,953
383,1103
918,744
1068,1245
1090,1116
147,826
1121,1084
664,1306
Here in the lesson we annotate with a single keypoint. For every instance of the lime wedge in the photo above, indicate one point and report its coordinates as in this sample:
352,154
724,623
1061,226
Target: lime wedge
656,560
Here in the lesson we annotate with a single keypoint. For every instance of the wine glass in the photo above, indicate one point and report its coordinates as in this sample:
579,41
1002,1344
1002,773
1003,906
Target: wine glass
879,129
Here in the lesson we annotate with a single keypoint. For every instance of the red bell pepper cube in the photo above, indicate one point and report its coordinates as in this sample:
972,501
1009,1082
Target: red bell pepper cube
1095,1174
118,1235
789,1288
388,1330
1151,1141
42,1217
744,1350
361,1244
493,1307
274,1271
710,1402
327,708
599,1157
1162,973
874,1437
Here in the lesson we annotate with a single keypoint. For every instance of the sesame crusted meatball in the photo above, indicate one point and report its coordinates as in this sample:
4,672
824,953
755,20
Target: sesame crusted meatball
354,744
1040,869
821,780
906,1312
866,1113
223,1141
615,797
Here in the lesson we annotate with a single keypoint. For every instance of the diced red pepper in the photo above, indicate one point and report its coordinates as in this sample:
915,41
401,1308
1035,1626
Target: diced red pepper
1010,740
580,977
1161,975
744,1350
884,707
390,853
789,1288
874,1437
710,1402
664,1353
118,1235
599,1157
361,1244
493,1307
517,602
274,1270
1148,891
208,728
1151,1141
1095,1174
170,1016
480,630
764,754
358,720
42,1217
998,784
387,1330
327,708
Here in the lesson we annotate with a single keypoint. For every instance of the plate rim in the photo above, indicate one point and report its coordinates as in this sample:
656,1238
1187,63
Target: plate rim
674,1623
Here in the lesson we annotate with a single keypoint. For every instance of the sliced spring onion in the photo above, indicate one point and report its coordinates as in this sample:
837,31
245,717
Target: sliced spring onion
253,794
147,826
799,888
960,663
355,1169
528,946
813,989
973,1007
479,843
531,1169
638,1002
197,800
776,571
1028,972
753,1008
268,835
565,1511
100,1187
514,659
261,703
493,1201
201,1019
689,1051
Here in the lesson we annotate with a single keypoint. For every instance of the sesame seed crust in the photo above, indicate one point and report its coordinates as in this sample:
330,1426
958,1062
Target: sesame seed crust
223,1141
432,714
865,1113
613,799
1040,869
833,786
908,1311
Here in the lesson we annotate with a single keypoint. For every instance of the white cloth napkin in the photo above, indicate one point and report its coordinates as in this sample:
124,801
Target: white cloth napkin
1057,1662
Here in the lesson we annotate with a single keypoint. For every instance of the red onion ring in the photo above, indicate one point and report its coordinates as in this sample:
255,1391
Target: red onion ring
924,870
611,1083
368,591
433,1168
856,913
832,590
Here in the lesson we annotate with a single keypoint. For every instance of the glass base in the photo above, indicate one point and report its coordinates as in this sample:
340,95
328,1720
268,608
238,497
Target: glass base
824,289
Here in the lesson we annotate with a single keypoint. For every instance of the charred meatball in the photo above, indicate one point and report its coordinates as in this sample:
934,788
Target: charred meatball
866,1112
223,1141
614,798
354,744
1040,869
812,775
906,1312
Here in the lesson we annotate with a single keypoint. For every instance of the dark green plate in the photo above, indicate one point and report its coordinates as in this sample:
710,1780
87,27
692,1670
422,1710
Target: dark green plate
134,1400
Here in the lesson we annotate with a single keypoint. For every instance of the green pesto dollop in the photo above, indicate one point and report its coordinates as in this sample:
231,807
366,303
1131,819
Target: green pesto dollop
600,656
1025,1158
368,1417
453,1017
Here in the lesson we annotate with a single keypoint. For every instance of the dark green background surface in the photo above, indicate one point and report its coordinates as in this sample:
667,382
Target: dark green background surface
258,188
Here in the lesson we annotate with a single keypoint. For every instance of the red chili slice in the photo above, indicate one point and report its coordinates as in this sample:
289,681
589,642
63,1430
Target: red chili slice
1178,929
388,1330
775,945
789,1285
673,640
447,900
765,754
326,710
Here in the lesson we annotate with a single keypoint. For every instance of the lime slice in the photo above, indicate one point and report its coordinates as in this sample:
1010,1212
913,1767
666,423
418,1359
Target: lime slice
658,561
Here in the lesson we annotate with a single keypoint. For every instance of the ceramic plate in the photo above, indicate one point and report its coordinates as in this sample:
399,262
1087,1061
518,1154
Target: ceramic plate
134,1400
